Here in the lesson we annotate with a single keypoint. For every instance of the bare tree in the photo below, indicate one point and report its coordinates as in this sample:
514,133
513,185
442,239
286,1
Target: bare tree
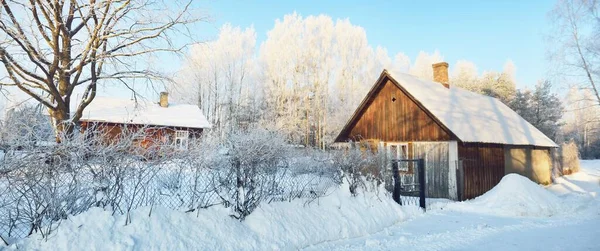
576,34
50,48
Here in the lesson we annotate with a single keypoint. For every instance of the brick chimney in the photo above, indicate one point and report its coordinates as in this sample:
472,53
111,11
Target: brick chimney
164,99
440,73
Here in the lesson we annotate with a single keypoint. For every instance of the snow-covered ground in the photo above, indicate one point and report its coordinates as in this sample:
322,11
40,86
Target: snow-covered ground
516,215
275,226
513,216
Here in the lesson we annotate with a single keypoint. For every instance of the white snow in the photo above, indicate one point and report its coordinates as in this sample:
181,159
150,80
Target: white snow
515,195
469,229
472,117
275,226
516,215
143,112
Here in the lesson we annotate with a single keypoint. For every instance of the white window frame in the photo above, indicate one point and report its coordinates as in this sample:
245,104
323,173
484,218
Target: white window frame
182,138
400,154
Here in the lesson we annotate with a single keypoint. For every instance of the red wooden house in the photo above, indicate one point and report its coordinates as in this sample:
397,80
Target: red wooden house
153,124
456,131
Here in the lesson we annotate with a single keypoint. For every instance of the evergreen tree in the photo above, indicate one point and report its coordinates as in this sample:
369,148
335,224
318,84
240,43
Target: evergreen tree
542,108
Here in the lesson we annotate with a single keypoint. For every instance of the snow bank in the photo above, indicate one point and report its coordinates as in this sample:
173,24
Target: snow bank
281,225
515,195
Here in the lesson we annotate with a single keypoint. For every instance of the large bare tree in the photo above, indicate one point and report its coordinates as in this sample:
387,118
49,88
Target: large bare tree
575,42
50,48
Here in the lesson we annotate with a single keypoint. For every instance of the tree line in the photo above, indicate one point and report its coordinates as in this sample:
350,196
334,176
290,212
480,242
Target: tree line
304,80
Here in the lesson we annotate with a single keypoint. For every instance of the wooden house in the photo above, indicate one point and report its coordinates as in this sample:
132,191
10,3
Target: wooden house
469,141
152,124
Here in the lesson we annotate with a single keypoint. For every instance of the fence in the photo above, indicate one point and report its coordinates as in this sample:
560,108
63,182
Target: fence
39,189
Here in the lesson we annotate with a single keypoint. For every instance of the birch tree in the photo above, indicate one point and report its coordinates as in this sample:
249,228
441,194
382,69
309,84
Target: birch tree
582,120
48,49
218,76
575,48
316,71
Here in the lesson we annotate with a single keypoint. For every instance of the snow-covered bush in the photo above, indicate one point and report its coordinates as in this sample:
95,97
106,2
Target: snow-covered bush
255,165
25,125
361,168
43,184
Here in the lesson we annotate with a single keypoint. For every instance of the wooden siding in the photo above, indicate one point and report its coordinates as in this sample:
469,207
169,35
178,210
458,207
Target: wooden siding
401,120
153,136
483,167
436,167
436,158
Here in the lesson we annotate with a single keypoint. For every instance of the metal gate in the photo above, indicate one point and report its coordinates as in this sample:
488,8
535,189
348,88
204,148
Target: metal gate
409,181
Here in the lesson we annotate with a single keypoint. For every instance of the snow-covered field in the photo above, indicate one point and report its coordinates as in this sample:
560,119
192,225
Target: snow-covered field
280,225
515,215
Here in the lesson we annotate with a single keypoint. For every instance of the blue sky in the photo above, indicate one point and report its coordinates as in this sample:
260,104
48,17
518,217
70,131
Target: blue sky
484,32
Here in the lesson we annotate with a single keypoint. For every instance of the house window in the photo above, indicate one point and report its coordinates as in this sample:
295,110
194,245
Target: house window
400,151
182,139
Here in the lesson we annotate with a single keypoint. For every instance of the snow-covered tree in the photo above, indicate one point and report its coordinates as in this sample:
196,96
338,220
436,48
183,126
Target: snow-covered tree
26,124
501,85
464,75
422,66
582,121
540,107
218,77
316,71
575,48
50,49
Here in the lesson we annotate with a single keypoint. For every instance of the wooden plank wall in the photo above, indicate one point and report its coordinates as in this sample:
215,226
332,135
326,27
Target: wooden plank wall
483,167
436,158
154,134
436,167
393,116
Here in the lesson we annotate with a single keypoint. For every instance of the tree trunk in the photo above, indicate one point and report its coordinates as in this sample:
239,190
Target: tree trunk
63,126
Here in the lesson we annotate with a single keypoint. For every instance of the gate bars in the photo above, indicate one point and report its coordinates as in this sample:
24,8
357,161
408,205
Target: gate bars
405,192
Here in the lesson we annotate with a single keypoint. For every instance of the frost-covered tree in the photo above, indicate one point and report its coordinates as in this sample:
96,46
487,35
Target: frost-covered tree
464,75
26,124
217,76
575,48
422,65
540,107
582,121
48,49
316,71
401,63
500,85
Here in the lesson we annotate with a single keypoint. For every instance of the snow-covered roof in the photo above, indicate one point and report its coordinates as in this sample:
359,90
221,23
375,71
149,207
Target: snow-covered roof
142,112
471,117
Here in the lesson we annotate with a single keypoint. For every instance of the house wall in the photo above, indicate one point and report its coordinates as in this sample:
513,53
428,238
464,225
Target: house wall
452,168
533,163
393,116
482,167
153,136
437,168
436,156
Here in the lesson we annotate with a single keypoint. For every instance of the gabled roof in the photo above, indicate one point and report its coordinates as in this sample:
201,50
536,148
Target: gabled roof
126,111
471,117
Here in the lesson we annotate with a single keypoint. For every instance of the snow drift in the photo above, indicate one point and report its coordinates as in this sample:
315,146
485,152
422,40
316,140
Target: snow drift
515,195
280,225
